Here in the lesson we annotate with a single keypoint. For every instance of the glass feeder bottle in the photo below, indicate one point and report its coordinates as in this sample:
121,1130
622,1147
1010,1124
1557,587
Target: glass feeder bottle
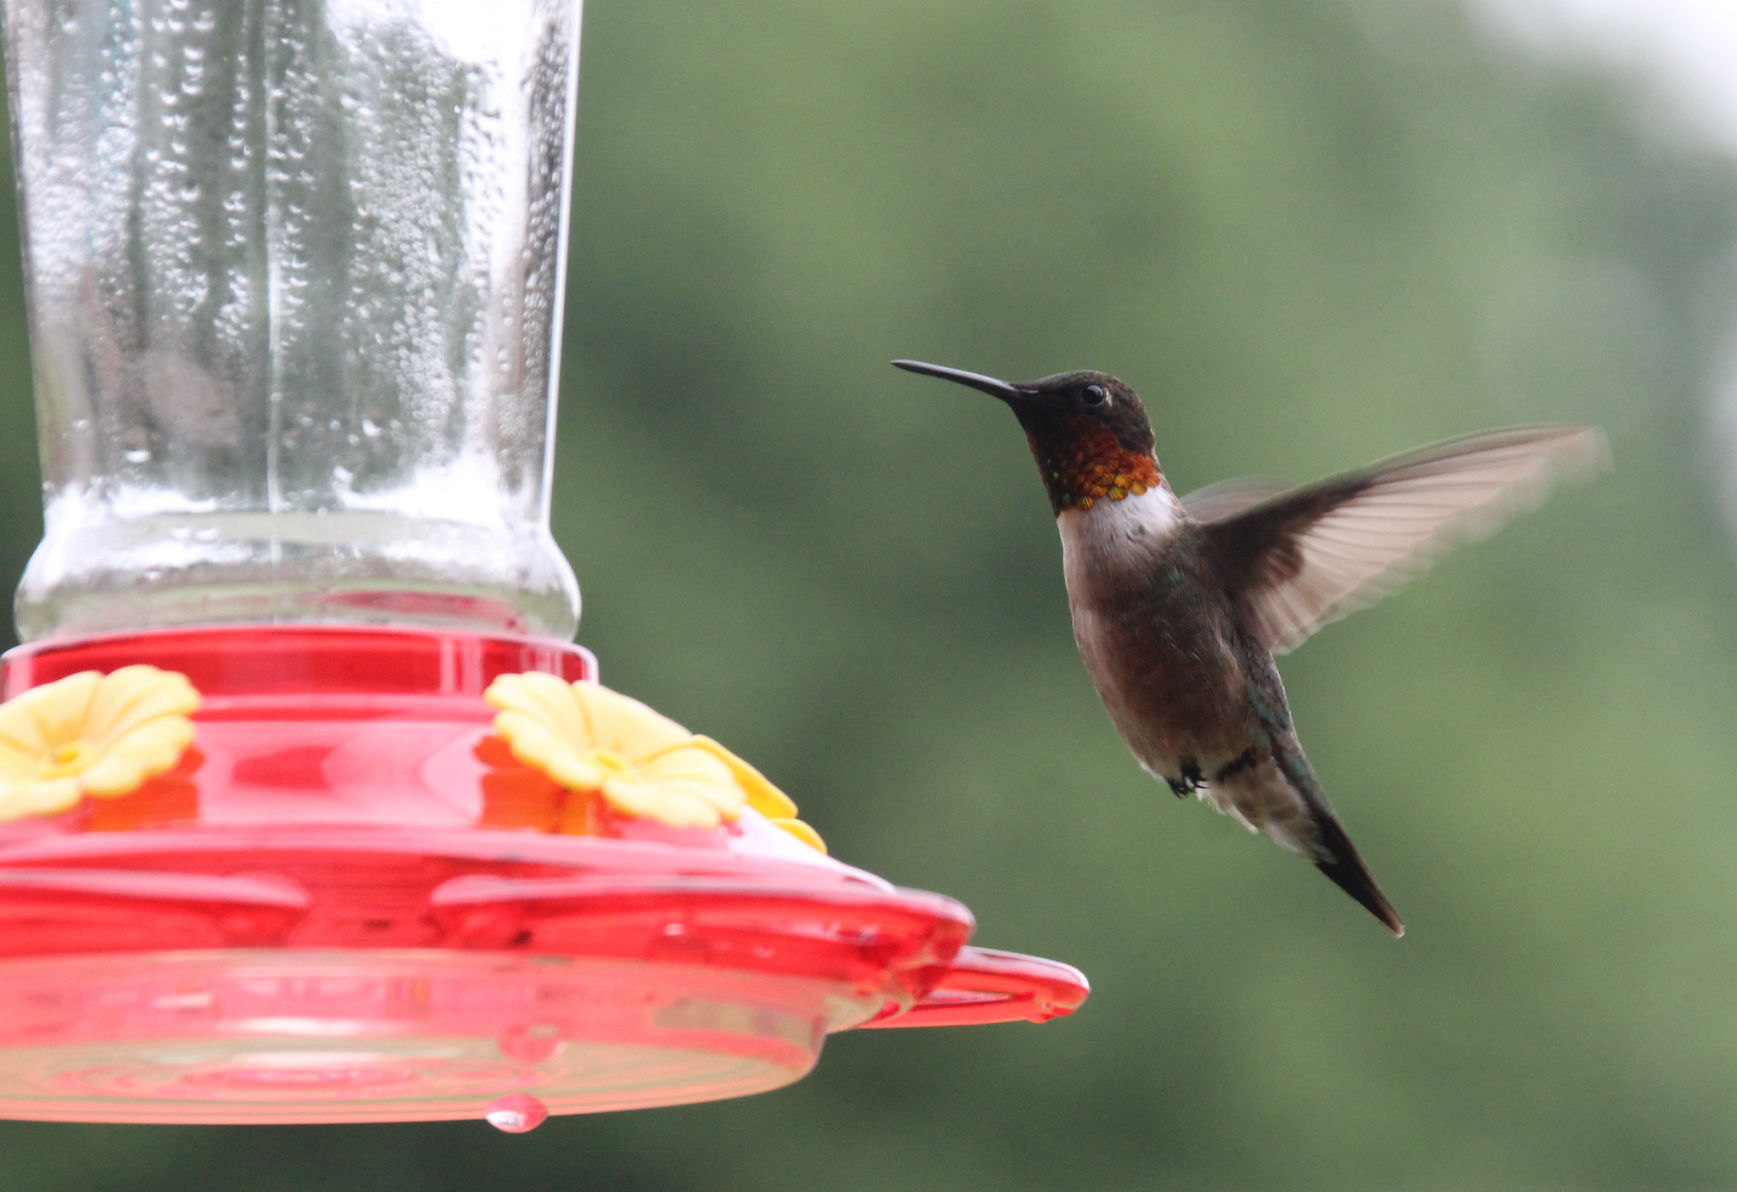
295,274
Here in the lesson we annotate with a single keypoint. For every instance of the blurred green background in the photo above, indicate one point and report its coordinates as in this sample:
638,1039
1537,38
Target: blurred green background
1310,233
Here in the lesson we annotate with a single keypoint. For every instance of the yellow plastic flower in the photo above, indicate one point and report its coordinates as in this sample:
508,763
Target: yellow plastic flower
92,734
591,739
763,797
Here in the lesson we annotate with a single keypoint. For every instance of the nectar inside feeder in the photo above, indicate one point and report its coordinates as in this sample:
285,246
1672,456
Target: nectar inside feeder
308,811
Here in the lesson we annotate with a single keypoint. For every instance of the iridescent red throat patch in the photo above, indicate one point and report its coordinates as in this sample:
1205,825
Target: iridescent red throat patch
1084,462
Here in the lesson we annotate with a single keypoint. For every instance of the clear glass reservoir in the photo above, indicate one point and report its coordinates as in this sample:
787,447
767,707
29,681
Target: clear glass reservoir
294,271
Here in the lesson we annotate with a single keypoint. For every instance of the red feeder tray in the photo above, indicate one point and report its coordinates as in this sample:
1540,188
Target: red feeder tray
345,905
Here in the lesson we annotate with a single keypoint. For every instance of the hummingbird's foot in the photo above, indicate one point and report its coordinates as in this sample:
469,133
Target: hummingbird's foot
1188,783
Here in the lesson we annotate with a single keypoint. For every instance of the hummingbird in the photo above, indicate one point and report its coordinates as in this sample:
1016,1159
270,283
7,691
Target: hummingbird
1180,603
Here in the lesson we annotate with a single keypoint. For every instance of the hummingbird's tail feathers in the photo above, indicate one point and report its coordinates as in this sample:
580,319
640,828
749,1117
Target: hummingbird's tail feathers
1345,869
1279,796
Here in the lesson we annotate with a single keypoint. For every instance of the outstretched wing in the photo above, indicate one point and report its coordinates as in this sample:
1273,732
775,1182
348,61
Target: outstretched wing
1313,554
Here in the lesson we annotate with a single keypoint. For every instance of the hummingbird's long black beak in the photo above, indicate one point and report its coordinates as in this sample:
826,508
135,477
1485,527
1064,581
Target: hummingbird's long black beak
989,385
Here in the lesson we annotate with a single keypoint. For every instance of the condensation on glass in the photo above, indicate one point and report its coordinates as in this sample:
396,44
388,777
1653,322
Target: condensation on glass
295,272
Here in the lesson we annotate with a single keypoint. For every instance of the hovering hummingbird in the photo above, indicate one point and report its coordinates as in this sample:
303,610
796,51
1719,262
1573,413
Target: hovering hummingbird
1179,604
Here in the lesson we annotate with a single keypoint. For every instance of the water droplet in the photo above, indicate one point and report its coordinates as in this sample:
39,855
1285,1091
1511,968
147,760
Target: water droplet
516,1113
138,455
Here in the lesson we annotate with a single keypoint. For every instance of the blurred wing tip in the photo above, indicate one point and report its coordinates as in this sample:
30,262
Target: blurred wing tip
1586,449
1572,452
1565,454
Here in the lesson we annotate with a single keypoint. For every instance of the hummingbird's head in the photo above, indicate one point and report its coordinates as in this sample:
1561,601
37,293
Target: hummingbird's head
1088,432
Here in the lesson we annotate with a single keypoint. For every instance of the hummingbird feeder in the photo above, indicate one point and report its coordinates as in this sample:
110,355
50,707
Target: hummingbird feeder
308,810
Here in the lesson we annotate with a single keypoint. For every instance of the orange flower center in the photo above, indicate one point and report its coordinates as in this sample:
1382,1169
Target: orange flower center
74,757
608,760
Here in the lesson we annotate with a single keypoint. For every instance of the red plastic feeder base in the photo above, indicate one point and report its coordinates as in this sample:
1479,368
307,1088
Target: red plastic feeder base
346,905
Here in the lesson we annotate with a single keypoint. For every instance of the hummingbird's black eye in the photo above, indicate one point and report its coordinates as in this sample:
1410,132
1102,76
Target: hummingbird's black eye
1095,395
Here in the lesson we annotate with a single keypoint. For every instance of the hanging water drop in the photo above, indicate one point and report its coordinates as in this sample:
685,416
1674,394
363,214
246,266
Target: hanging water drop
516,1113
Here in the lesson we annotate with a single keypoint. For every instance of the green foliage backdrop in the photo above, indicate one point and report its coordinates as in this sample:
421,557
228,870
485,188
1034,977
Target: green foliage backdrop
1310,234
